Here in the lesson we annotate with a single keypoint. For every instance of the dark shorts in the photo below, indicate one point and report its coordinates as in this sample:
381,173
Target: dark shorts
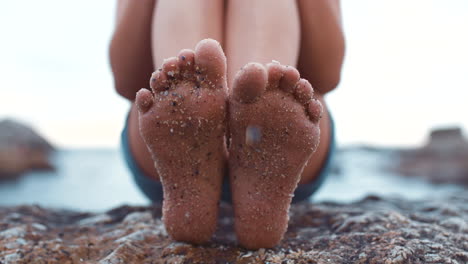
154,191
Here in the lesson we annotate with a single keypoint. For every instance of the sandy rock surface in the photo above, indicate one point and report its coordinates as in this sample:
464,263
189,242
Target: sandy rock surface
373,230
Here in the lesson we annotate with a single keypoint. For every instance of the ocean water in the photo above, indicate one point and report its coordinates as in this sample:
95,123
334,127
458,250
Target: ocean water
88,179
97,180
363,173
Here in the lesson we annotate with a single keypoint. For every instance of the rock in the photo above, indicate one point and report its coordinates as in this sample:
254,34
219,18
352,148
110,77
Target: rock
21,149
373,230
444,159
447,139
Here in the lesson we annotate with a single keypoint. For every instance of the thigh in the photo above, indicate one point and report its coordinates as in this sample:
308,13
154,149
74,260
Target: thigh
181,24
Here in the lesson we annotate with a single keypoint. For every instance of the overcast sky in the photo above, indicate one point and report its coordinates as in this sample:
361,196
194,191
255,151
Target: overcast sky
406,70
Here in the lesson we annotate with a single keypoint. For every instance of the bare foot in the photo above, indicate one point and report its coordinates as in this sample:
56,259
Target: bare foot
274,130
183,123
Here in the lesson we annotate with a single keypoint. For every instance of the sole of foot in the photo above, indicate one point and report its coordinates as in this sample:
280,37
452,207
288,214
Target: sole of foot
183,123
274,130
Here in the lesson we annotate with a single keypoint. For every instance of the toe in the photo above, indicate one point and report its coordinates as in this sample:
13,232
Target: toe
158,81
186,61
170,68
211,61
249,83
275,73
144,100
315,110
303,91
290,78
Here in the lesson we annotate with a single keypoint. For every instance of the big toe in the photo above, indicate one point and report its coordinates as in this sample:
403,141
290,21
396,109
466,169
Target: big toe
211,61
249,83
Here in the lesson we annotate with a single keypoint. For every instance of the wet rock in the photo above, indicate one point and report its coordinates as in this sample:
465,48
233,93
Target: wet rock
373,230
21,149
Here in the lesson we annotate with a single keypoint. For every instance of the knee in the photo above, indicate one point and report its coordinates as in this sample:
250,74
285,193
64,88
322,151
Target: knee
128,78
119,83
323,82
327,83
121,86
324,76
123,90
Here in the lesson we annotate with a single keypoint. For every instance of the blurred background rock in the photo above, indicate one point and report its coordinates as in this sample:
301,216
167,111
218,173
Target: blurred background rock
444,158
22,149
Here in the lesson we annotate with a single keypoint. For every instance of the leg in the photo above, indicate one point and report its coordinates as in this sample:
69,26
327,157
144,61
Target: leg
320,60
169,25
181,24
130,47
177,24
183,121
275,130
252,33
132,64
254,36
322,43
